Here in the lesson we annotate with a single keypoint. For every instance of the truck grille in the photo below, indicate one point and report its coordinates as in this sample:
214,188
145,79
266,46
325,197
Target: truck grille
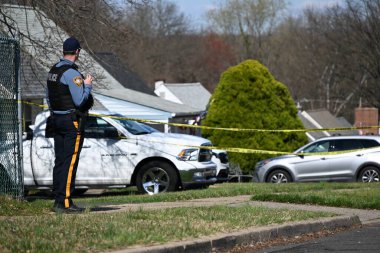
205,154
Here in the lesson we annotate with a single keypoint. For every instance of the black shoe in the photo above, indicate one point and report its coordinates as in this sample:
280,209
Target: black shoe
60,208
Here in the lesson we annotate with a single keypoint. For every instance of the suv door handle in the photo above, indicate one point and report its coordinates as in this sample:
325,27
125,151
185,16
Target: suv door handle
86,146
46,146
323,158
359,154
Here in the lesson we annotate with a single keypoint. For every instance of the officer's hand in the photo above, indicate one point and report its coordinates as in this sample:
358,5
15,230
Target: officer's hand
88,79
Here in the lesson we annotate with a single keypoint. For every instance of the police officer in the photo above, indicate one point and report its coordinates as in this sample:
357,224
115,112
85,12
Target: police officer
69,98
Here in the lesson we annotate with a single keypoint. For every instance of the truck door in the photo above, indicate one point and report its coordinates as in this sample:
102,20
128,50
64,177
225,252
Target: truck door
103,159
42,158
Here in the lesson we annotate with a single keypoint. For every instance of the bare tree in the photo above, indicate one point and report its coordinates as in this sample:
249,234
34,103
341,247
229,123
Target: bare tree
161,48
359,24
330,57
43,25
160,18
82,18
253,21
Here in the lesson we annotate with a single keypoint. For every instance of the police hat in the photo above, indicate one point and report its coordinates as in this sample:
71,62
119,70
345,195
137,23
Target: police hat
71,45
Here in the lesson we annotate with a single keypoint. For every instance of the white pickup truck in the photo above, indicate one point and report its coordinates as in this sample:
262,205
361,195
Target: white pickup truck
118,153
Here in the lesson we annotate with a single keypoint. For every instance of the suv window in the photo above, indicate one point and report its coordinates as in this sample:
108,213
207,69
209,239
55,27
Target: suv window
99,129
347,144
321,146
370,143
340,145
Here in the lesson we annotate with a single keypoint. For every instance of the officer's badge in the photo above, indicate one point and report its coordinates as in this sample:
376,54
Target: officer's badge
78,80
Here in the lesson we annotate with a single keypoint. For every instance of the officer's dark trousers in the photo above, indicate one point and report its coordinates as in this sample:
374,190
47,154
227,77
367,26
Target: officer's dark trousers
68,141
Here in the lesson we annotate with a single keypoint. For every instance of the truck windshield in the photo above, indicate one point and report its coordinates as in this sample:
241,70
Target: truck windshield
134,127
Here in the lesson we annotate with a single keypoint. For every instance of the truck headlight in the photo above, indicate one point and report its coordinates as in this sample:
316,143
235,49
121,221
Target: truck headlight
198,174
190,154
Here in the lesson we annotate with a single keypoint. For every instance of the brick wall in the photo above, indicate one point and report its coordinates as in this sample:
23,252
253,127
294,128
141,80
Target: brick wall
367,116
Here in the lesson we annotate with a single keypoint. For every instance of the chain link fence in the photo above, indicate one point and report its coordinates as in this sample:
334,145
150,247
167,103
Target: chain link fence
11,174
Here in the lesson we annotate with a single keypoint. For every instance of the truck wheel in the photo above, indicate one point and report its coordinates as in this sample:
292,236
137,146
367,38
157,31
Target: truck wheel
156,177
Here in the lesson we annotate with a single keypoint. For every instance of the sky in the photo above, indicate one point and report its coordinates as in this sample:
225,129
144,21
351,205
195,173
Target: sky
195,9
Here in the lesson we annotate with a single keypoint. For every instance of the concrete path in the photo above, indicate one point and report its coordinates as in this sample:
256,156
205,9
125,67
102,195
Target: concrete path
365,216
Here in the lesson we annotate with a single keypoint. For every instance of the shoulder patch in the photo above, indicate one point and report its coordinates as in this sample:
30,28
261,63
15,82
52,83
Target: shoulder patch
78,80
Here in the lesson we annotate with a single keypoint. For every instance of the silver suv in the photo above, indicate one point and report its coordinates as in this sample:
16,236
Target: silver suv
359,161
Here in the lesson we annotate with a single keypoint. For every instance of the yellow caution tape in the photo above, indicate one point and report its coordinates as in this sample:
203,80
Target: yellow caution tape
235,150
231,149
35,104
222,128
237,129
253,151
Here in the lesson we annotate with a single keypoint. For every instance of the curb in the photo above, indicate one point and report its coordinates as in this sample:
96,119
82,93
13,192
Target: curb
254,235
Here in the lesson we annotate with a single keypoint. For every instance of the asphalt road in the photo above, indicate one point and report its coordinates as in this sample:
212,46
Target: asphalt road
365,239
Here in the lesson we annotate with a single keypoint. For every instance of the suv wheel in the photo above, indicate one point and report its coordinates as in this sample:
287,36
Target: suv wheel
279,177
156,177
369,175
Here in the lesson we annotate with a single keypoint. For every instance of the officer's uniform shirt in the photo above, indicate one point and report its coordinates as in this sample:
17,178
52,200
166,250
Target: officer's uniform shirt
78,89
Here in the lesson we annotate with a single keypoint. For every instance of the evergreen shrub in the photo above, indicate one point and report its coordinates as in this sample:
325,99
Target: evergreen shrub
248,96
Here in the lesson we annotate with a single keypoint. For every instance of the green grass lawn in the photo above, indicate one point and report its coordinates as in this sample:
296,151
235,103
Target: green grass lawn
99,232
351,195
29,225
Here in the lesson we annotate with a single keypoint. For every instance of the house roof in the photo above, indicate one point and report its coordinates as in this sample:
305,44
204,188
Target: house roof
150,101
5,93
322,118
192,94
32,78
43,40
127,78
307,123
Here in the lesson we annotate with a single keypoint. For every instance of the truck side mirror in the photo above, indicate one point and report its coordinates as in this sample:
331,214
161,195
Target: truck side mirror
29,135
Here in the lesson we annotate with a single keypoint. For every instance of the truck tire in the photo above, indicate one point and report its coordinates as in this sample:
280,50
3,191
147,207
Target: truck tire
156,177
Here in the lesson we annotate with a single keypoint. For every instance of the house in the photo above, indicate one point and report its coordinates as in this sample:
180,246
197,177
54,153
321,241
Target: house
43,47
190,94
321,119
32,78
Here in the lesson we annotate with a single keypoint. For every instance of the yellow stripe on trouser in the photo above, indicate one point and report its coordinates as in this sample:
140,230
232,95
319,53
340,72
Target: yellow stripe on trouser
73,159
